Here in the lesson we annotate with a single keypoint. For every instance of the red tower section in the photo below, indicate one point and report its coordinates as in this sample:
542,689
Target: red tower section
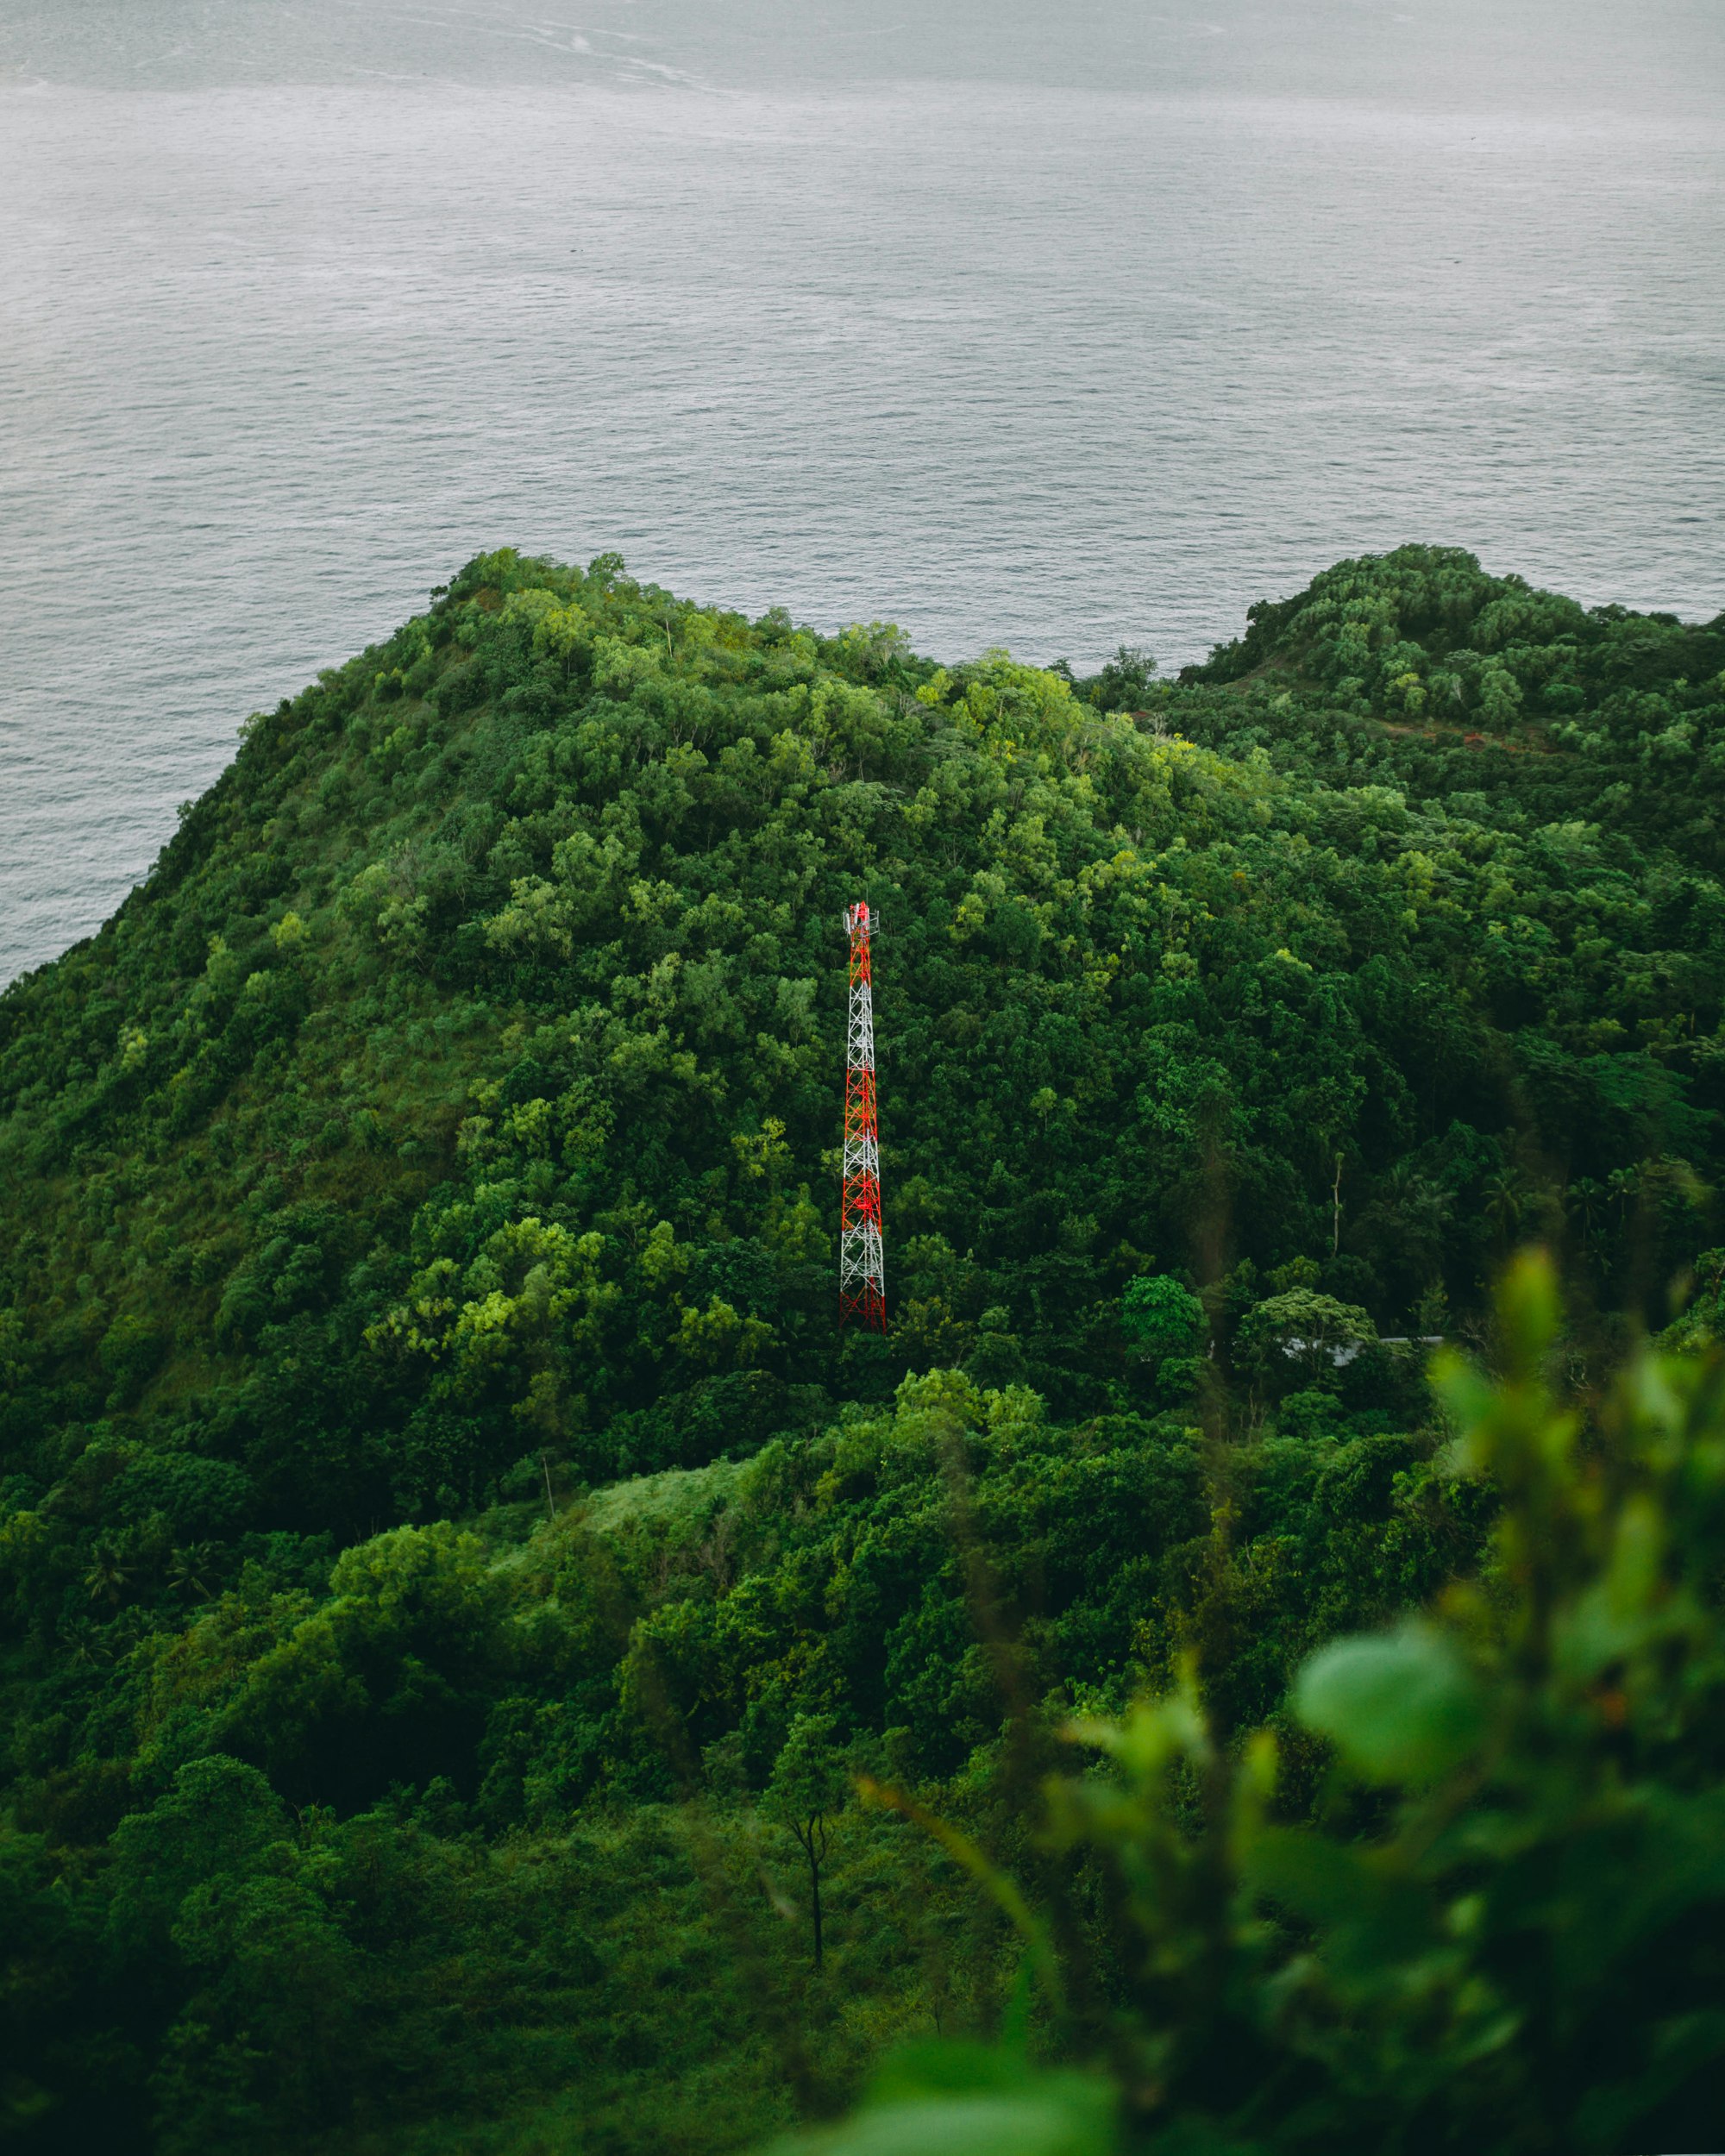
861,1256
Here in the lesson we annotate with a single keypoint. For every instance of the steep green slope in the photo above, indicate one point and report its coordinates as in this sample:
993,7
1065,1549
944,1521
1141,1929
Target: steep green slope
463,1084
447,1130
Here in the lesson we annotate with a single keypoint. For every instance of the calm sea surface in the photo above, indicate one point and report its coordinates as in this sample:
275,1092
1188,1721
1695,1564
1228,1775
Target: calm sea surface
1054,328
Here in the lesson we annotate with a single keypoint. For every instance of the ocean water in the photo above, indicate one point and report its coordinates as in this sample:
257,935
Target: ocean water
1049,328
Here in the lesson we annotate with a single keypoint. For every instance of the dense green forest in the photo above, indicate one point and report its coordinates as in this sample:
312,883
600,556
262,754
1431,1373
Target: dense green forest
486,1665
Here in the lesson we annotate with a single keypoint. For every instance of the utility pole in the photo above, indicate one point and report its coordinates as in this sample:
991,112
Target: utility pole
862,1258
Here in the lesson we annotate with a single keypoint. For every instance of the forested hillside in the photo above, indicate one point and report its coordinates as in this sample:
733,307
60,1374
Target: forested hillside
457,1579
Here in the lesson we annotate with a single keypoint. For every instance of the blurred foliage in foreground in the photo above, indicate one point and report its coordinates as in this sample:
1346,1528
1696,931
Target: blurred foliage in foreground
1502,1925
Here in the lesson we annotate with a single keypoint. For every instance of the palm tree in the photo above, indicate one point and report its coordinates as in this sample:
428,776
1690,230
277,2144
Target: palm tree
1506,1198
1585,1200
108,1575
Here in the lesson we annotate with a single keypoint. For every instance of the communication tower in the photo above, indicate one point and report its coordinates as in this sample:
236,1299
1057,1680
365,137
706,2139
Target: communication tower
862,1258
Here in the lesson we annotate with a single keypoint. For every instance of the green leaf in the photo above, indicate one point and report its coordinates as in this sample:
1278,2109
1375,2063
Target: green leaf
959,2099
1400,1708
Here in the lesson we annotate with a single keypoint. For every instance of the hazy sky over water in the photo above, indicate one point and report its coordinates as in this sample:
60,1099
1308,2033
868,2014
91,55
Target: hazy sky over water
1054,327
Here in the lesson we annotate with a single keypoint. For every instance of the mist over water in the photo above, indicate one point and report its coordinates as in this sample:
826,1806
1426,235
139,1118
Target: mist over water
1053,328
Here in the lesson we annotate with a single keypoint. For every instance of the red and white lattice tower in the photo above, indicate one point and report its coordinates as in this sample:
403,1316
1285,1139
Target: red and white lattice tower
862,1258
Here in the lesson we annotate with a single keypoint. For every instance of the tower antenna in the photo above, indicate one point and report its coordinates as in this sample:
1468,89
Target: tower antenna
862,1259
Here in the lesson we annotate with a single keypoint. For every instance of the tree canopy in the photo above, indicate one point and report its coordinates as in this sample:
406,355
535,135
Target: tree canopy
444,1537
